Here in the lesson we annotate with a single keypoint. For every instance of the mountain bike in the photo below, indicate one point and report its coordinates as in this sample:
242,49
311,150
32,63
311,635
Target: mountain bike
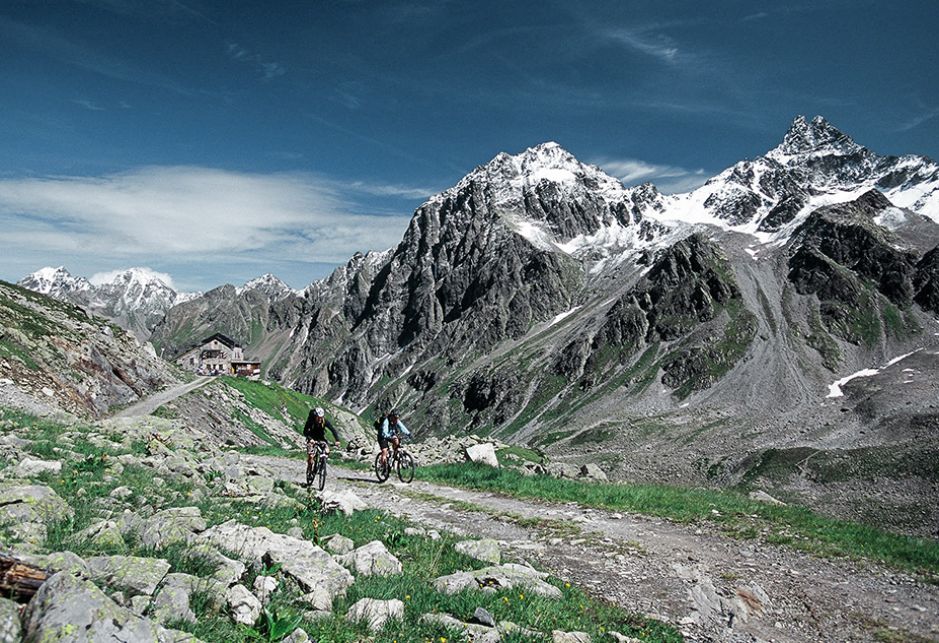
317,473
399,460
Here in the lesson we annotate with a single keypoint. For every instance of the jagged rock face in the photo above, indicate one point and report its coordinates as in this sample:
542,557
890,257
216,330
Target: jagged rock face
926,282
847,234
460,280
854,267
688,285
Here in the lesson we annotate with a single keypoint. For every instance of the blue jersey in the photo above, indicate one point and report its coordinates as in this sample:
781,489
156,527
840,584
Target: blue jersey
389,431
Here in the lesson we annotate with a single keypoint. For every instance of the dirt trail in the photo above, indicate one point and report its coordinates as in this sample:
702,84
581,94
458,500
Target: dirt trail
150,404
714,588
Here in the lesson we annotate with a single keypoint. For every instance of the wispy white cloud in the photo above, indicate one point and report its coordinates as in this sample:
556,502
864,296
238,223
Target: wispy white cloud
390,189
670,179
918,120
191,214
87,104
656,45
268,68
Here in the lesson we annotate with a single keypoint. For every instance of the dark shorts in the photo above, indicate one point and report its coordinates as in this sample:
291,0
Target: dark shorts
383,443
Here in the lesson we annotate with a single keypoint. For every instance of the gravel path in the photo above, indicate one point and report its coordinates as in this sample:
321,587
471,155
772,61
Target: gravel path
152,403
714,588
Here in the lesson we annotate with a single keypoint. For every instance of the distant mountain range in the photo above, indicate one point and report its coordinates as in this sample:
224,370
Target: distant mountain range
134,298
691,337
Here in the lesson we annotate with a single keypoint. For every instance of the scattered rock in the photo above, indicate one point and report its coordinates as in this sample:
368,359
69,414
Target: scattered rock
299,635
762,496
557,636
472,631
26,509
486,550
264,586
301,560
172,601
372,559
483,454
104,534
593,472
375,612
491,579
339,544
562,470
129,573
121,493
11,630
62,561
245,607
484,617
69,609
345,501
31,467
171,526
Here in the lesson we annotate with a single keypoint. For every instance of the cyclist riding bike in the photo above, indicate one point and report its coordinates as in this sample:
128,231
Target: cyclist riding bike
390,433
315,432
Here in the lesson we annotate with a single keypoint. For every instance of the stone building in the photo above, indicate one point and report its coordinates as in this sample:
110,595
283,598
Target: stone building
219,355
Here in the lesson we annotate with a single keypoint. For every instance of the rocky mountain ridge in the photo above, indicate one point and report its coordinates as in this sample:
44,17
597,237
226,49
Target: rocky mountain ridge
540,300
134,298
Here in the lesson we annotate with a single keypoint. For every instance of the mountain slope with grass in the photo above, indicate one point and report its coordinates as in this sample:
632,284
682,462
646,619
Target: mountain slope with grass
55,355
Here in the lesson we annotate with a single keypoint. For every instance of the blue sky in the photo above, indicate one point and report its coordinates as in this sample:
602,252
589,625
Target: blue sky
219,140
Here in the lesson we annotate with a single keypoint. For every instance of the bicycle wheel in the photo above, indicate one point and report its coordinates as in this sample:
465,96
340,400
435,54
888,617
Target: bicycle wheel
382,470
322,472
310,474
405,467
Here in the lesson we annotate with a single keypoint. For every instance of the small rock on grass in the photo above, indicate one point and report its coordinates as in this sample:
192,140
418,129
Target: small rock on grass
557,636
70,609
375,612
484,617
762,496
339,544
372,559
486,550
129,573
297,636
264,586
245,607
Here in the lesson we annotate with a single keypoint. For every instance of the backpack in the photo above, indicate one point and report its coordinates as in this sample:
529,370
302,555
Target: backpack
377,424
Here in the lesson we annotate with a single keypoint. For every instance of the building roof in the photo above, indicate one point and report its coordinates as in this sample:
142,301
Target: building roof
224,339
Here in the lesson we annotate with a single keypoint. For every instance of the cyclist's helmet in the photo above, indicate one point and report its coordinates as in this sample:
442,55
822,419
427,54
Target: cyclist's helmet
319,412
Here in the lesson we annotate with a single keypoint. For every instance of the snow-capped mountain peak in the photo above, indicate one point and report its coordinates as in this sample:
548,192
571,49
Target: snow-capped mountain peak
135,298
817,137
269,284
55,282
140,276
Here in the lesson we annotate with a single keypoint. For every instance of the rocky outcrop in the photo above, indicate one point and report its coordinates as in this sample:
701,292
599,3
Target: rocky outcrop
83,364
